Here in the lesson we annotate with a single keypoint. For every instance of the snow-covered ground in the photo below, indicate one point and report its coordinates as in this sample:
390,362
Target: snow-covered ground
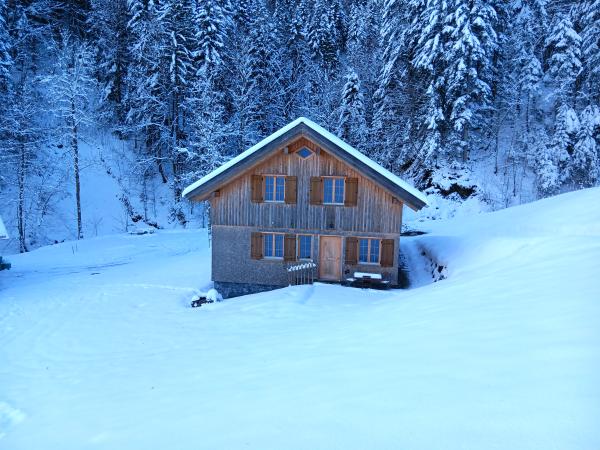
99,349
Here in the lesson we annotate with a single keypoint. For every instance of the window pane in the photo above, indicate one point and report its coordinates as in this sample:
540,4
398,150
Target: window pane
279,189
279,245
328,190
305,247
363,250
304,152
268,239
339,190
269,189
374,254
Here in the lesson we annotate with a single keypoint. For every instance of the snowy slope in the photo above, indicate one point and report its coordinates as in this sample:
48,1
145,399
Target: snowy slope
99,349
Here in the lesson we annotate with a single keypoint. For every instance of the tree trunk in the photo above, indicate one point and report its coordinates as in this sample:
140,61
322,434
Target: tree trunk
465,139
75,150
21,203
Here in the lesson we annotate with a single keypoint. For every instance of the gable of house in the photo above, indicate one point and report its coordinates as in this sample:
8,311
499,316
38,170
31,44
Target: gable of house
290,191
321,139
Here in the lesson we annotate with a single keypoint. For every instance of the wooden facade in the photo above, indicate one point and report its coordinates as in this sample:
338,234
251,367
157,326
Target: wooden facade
376,210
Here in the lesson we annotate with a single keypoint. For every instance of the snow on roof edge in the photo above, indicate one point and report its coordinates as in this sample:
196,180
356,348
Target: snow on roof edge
329,136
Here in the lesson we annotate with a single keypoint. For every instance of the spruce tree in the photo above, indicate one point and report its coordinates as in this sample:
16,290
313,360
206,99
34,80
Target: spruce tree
564,63
210,30
352,125
584,163
470,30
6,61
590,44
108,23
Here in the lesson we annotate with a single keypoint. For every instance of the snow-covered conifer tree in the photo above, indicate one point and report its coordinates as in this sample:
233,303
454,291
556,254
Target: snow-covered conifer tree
590,41
564,47
5,56
210,29
324,34
392,100
108,22
352,125
470,30
584,163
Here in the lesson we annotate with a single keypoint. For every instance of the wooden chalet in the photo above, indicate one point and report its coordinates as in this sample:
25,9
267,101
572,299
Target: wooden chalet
302,196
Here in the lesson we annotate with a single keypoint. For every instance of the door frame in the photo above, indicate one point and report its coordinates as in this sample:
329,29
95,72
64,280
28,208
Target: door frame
339,268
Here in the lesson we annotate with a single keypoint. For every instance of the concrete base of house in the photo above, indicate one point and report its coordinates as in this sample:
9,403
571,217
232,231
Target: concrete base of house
229,290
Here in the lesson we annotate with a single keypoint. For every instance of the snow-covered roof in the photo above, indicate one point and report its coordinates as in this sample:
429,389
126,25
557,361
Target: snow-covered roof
3,233
415,198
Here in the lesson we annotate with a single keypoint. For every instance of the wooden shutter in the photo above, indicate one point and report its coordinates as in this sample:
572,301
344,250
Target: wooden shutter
387,253
291,190
351,251
316,190
257,188
351,192
289,247
256,246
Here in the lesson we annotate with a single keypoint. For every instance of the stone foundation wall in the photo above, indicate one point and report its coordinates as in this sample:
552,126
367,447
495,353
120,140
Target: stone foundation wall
229,290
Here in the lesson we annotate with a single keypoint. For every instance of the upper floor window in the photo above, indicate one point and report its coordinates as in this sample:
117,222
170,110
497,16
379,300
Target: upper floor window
304,246
273,245
274,189
368,251
333,190
304,152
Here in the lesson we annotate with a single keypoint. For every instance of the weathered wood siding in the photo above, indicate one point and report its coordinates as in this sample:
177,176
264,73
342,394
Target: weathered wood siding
376,210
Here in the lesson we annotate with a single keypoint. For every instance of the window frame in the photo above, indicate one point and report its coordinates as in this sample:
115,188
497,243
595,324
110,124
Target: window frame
298,236
333,190
304,158
368,262
275,177
273,246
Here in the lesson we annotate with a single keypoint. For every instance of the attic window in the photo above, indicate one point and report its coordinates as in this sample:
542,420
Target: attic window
304,152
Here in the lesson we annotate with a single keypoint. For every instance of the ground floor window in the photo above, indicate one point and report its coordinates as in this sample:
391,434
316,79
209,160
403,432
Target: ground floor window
304,246
369,251
273,245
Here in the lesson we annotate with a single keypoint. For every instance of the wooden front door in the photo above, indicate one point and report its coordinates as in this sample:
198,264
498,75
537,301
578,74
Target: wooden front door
330,258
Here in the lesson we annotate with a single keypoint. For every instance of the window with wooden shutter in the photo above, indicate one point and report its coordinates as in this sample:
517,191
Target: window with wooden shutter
387,252
333,190
351,251
256,246
256,183
351,192
316,191
291,189
289,248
